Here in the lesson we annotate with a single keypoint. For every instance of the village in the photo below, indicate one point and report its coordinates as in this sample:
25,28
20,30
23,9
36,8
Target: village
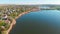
7,13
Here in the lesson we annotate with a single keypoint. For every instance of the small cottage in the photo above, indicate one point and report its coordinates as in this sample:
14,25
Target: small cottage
4,17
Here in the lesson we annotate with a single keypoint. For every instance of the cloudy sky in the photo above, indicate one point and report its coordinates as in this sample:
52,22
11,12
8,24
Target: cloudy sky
29,1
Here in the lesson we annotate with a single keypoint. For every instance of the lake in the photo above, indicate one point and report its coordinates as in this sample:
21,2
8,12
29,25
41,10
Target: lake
39,22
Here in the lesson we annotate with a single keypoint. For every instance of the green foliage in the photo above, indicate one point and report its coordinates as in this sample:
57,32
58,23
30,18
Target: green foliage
2,23
6,25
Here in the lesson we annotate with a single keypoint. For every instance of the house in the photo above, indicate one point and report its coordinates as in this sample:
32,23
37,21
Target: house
4,17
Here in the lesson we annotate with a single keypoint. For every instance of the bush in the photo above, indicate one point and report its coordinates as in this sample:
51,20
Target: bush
2,23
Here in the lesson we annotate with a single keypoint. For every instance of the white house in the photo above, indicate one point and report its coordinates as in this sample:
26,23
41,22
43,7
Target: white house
4,17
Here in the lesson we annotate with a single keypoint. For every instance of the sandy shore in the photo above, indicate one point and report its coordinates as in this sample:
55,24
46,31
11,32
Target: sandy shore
21,14
11,26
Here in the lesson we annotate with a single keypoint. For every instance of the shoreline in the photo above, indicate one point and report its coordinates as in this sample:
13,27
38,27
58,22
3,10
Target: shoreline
14,21
21,14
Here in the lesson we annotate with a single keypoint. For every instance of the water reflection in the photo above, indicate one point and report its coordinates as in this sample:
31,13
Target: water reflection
41,22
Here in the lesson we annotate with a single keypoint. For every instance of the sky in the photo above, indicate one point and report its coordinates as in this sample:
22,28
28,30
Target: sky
29,1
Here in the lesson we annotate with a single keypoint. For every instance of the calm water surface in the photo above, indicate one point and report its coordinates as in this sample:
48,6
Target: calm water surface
40,22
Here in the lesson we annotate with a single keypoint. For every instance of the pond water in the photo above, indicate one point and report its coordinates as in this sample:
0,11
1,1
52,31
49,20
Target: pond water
39,22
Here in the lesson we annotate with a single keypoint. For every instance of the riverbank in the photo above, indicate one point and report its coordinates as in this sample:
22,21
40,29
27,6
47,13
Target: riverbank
21,14
14,21
11,26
